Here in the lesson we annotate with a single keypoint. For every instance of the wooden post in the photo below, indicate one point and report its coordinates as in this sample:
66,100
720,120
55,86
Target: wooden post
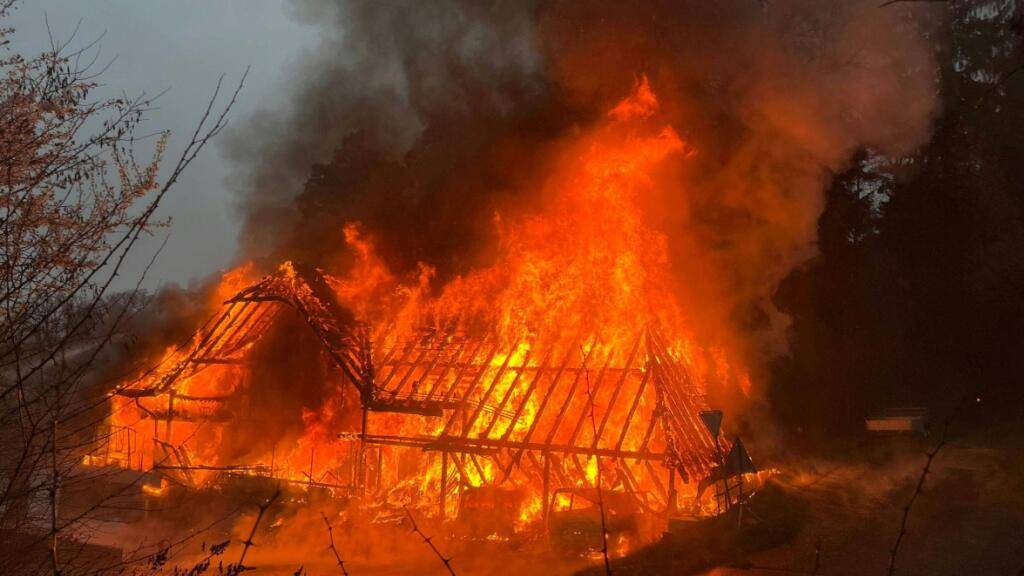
547,488
671,491
725,482
444,482
361,460
311,466
170,415
380,467
739,502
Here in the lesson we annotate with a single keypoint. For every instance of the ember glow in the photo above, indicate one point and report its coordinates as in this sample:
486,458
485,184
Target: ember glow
567,360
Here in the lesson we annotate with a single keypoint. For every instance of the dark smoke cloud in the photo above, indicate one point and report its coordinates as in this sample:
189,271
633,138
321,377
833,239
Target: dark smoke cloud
385,75
425,117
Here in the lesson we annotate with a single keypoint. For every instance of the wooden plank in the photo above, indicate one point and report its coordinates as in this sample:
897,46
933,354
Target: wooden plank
527,395
570,396
217,334
556,467
469,391
692,428
579,467
409,347
632,409
490,389
416,364
618,389
228,361
170,378
447,368
479,468
504,400
653,473
246,326
650,430
462,371
593,394
551,389
455,443
460,466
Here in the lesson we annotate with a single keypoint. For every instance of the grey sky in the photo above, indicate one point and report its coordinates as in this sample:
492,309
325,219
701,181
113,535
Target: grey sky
183,46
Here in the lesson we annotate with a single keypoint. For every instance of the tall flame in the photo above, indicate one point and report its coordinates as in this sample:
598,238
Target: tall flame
586,264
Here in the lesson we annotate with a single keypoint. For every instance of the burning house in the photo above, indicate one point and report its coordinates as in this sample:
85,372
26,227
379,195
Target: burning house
565,365
476,411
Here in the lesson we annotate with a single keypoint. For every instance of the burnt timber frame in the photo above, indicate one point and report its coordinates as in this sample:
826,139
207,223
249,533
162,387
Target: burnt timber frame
497,401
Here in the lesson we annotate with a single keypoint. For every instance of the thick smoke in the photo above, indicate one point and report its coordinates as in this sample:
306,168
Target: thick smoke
389,79
424,118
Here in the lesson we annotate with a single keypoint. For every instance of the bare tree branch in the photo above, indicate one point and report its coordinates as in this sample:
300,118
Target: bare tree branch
240,566
597,482
333,548
918,489
429,542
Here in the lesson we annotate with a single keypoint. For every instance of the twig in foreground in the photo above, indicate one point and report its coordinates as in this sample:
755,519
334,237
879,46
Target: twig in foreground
330,534
597,480
240,566
447,561
918,489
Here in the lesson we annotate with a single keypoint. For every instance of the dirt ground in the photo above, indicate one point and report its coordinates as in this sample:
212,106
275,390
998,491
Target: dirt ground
968,521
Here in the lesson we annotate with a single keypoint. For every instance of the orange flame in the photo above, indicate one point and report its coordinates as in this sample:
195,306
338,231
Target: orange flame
587,263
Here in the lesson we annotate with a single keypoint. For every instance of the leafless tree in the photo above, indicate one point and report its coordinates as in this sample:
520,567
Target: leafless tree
597,481
76,195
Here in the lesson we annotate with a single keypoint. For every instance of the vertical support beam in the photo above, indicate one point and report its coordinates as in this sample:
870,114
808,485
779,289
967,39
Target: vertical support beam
380,468
444,483
170,415
311,448
671,508
721,463
739,502
546,499
361,459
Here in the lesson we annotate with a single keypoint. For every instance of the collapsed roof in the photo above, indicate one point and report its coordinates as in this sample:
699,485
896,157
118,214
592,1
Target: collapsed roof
634,405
